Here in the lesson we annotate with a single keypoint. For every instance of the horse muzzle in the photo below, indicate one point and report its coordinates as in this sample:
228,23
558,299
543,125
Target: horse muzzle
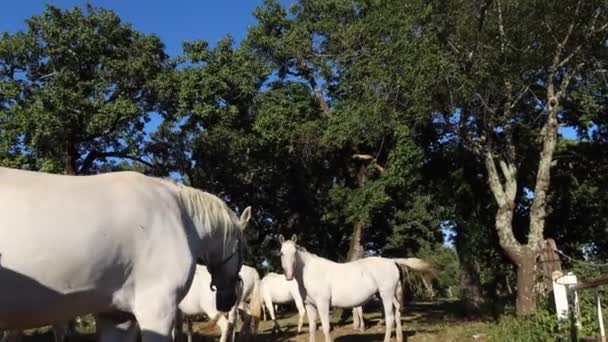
289,276
225,300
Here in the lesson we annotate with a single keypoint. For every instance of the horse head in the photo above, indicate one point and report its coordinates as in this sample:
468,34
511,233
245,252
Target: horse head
288,255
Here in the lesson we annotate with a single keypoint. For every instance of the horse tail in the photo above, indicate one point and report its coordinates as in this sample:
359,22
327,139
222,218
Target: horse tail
255,302
427,270
418,265
401,286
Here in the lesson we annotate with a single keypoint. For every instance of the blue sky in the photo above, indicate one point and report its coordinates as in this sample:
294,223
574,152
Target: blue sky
173,21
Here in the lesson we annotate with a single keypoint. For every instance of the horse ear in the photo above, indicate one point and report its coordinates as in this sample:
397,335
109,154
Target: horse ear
281,238
245,217
294,238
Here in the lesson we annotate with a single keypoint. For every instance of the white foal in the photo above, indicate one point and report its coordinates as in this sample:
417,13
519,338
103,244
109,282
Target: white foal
278,290
324,284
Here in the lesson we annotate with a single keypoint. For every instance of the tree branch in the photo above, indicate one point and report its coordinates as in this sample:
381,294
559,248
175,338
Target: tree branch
87,164
495,184
501,28
562,44
364,157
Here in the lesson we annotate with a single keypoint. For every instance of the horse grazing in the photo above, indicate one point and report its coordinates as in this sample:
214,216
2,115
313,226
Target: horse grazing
324,283
200,299
276,289
116,242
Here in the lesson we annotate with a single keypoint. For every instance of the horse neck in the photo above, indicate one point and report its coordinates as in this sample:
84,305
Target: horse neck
306,258
213,229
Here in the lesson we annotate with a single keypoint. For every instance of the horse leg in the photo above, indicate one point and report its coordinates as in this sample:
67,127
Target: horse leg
301,313
324,315
389,319
275,325
397,301
233,318
189,327
11,336
60,331
360,319
311,312
109,330
398,327
355,319
156,317
226,329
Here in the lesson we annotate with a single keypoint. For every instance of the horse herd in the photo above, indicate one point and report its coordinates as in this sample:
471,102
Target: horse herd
140,252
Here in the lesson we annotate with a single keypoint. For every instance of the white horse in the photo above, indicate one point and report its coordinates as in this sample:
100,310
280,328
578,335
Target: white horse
324,283
200,299
123,242
276,289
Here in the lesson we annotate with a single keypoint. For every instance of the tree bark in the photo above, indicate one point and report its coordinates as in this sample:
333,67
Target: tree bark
472,296
69,159
526,279
356,250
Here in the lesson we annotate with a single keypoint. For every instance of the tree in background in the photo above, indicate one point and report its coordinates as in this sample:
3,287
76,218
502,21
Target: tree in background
76,88
514,70
353,60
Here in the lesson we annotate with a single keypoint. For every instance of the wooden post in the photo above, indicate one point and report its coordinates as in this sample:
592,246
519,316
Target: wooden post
600,317
550,262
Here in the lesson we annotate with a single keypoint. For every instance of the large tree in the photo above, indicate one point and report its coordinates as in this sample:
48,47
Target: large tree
76,88
352,58
514,68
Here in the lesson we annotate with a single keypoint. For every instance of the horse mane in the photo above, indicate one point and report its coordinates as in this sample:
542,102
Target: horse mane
207,209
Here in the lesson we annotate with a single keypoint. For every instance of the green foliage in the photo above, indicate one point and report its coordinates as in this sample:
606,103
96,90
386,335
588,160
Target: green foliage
76,87
541,327
544,326
447,284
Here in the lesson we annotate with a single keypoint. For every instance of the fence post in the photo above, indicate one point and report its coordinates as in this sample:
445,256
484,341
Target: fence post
560,284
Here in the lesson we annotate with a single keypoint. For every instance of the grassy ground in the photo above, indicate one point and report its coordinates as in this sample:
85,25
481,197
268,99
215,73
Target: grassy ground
422,322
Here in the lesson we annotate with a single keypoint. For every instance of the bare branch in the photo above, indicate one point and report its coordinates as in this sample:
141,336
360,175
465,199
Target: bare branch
501,28
519,97
485,104
562,44
495,184
566,81
471,144
379,168
365,157
54,73
94,155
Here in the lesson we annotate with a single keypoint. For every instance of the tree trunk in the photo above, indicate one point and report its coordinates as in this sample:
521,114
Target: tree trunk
470,281
472,297
526,280
69,159
356,250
